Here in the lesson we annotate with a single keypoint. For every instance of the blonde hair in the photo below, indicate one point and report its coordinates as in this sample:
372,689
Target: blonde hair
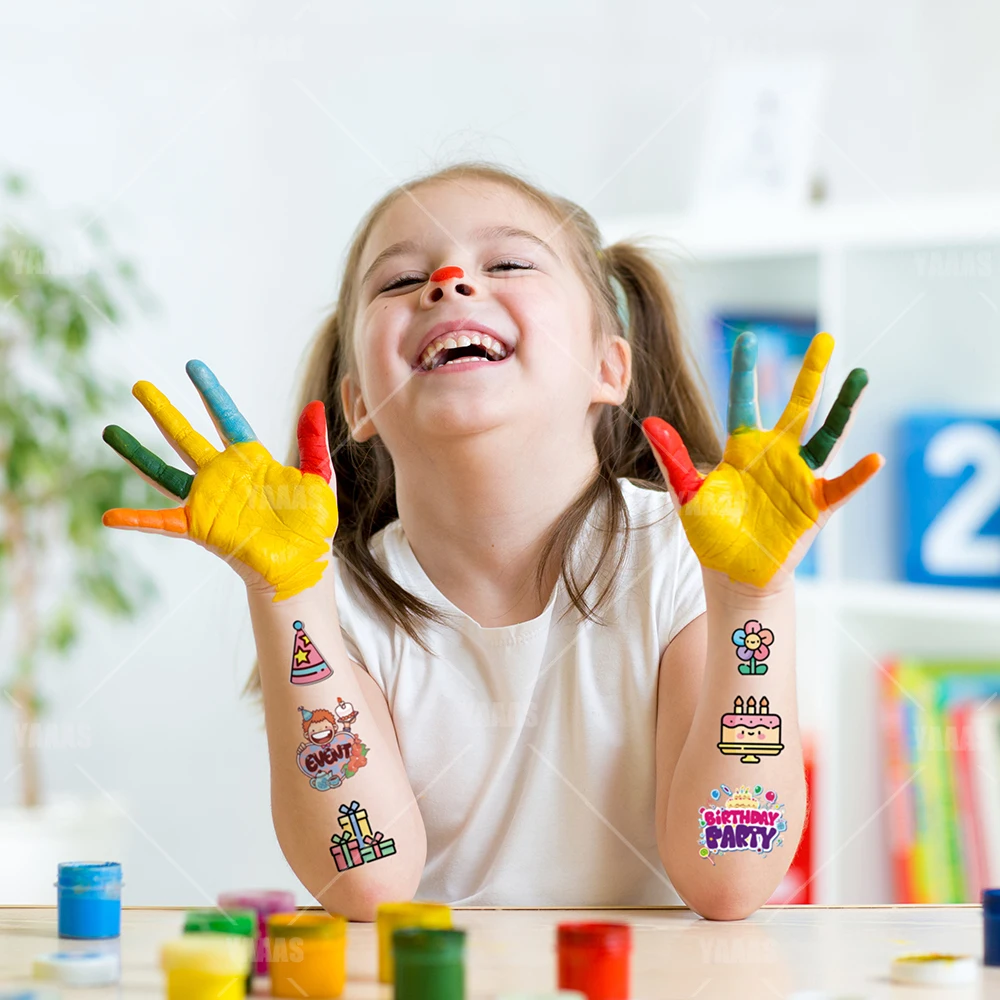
664,383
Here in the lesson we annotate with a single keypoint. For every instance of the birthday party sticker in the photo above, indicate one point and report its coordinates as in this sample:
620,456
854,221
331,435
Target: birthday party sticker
749,819
332,752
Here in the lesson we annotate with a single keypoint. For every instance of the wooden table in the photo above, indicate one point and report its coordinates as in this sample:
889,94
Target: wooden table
775,953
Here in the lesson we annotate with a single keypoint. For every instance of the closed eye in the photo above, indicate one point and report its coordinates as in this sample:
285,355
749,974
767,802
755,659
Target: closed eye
407,279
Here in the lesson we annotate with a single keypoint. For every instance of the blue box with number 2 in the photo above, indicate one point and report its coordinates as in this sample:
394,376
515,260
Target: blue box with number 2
950,524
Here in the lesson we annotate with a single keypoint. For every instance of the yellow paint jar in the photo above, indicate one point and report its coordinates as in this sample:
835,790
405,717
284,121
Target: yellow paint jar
206,967
308,954
395,916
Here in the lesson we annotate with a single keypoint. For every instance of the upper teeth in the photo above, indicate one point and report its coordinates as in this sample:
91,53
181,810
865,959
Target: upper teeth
492,346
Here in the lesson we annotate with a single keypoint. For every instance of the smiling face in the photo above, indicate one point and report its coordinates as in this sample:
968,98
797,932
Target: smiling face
517,279
321,732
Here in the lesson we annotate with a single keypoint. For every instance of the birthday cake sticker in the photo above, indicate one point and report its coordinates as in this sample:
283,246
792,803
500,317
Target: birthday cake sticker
752,733
744,820
332,753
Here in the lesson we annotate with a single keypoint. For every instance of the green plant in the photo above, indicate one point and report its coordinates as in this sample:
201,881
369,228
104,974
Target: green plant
56,476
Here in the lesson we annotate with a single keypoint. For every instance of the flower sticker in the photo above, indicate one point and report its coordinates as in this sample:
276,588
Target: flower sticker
752,642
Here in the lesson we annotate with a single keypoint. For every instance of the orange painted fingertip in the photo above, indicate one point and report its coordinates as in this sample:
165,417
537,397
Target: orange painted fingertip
173,520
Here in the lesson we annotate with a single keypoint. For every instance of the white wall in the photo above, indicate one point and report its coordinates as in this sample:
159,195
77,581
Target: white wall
233,147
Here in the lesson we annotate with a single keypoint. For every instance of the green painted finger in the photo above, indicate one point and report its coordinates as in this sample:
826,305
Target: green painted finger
817,449
742,413
173,480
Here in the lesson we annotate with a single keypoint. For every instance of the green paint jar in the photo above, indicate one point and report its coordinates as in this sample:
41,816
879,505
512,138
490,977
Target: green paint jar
430,964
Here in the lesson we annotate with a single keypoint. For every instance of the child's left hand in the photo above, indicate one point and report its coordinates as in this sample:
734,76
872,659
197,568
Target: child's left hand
759,510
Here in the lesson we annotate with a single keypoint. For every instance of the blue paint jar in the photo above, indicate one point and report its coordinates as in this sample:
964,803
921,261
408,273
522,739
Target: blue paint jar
991,926
90,899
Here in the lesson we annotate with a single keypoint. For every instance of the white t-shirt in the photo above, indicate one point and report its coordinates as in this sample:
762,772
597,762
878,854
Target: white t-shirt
530,747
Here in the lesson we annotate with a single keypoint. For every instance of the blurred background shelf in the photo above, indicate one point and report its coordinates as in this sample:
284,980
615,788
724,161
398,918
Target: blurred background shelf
902,600
887,224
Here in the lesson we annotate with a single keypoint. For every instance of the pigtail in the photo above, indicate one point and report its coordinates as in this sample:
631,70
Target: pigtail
665,380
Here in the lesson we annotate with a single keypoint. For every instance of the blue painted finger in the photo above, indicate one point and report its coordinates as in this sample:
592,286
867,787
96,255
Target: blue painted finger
742,413
231,424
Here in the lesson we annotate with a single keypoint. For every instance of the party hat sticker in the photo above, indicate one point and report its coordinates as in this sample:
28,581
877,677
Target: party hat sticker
308,665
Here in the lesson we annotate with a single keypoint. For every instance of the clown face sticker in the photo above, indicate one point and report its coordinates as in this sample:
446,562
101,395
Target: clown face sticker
331,753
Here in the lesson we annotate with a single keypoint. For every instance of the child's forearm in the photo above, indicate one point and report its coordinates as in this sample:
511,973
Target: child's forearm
310,794
736,866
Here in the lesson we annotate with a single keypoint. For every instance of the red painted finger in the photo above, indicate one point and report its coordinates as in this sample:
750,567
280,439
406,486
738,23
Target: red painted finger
172,520
832,493
314,448
685,479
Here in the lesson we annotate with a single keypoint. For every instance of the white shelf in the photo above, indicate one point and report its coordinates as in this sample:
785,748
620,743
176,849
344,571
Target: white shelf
771,233
902,600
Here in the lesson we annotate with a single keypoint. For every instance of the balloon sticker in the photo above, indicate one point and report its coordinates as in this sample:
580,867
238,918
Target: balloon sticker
752,644
332,753
741,824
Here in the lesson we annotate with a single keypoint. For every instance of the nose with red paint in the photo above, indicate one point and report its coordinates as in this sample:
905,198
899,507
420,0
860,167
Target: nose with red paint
443,274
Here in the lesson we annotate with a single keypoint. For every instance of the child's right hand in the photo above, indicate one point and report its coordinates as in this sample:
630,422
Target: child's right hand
272,523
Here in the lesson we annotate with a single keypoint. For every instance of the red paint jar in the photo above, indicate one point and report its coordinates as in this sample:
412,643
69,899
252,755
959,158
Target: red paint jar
594,959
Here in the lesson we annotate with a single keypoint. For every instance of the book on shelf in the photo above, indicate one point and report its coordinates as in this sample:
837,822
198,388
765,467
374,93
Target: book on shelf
941,766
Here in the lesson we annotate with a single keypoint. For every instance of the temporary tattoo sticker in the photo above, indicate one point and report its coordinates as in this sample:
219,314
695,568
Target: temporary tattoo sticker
752,644
308,665
753,733
332,753
356,844
740,823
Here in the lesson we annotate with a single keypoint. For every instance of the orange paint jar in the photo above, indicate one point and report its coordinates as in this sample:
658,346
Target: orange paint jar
308,954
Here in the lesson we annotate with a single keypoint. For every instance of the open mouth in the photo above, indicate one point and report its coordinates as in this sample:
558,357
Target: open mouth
322,736
462,349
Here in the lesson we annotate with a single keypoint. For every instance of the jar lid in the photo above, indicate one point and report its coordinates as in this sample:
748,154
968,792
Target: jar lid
79,968
557,995
216,954
239,922
603,936
429,944
29,993
416,914
263,901
306,925
88,874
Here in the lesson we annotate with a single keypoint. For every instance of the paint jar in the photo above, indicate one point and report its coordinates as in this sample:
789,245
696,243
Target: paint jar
991,926
77,968
594,959
395,916
206,966
242,923
429,963
263,902
89,895
308,954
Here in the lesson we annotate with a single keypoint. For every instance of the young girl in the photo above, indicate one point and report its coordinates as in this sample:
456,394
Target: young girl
574,685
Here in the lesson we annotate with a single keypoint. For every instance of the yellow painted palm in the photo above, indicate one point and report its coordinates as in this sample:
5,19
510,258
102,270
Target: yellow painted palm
273,523
755,515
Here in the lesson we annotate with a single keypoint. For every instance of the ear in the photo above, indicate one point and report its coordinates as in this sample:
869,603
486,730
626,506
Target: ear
355,410
612,379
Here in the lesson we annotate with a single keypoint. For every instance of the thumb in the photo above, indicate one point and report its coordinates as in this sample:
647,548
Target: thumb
684,479
314,445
